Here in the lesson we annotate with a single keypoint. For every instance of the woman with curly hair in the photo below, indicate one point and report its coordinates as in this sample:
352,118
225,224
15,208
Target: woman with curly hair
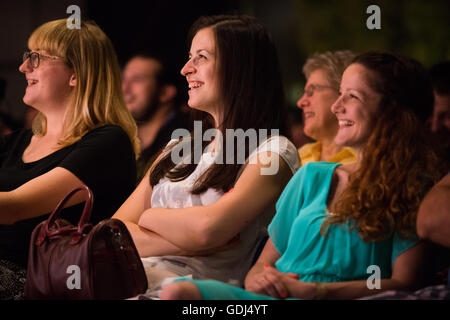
336,223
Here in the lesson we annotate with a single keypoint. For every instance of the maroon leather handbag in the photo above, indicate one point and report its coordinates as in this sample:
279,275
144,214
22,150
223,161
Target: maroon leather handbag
83,262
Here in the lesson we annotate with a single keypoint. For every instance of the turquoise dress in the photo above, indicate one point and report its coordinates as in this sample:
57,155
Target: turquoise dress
295,231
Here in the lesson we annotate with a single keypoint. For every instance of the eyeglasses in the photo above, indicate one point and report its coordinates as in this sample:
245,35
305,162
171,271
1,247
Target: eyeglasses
309,91
35,58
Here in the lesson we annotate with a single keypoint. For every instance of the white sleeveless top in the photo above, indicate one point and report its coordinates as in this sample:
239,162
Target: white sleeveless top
230,265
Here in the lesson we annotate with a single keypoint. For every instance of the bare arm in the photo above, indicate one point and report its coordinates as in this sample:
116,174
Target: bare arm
199,228
433,218
38,196
407,275
147,242
269,255
41,195
256,280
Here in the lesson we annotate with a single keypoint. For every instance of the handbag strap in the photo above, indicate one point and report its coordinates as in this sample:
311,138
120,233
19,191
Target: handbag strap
82,223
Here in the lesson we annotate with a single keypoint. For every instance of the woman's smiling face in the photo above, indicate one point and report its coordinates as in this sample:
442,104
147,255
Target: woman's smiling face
201,73
356,108
51,83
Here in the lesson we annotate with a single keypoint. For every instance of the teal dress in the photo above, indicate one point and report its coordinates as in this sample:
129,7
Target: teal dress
295,232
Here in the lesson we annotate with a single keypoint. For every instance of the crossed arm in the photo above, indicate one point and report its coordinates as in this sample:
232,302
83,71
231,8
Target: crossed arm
147,243
161,231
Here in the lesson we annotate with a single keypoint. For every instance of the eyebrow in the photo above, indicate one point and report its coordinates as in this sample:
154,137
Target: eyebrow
359,91
316,84
200,50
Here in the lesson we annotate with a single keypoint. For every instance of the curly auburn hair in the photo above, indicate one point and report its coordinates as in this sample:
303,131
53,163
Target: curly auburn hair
398,165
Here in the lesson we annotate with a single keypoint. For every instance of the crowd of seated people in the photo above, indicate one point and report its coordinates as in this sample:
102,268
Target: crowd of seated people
334,222
371,190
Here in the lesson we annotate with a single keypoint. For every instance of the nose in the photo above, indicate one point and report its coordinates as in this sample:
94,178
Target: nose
187,69
302,101
337,106
25,66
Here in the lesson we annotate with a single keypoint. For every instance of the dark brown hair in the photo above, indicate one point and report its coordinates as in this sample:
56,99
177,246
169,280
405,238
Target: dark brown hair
251,89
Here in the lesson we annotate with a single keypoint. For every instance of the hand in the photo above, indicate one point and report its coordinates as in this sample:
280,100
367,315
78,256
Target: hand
272,282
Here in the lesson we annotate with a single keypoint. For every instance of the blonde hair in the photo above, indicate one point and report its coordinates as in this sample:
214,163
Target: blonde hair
333,63
97,99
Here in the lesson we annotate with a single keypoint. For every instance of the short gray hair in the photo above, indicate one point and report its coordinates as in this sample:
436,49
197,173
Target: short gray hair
332,63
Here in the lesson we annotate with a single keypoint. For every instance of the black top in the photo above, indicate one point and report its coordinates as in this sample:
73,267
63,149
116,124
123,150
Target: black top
103,159
177,119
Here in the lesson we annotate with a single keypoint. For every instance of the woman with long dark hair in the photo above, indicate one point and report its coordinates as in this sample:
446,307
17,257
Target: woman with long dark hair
204,216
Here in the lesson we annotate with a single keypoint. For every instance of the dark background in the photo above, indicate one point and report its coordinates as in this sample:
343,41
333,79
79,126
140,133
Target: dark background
299,28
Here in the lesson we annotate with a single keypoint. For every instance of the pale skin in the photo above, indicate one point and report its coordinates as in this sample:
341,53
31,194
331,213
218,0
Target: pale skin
433,218
355,104
41,195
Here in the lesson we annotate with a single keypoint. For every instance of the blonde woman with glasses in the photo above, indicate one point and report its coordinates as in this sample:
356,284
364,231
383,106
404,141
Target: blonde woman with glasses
82,134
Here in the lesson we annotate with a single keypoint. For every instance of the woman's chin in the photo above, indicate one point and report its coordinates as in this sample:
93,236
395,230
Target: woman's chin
27,101
196,106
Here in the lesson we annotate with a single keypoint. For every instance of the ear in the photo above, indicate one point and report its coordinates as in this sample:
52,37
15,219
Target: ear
167,93
73,81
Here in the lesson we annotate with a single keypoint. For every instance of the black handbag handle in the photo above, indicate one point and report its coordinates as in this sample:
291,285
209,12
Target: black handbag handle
82,223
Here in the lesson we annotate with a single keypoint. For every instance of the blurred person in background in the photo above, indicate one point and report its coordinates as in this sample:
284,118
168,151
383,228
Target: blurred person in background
440,119
152,95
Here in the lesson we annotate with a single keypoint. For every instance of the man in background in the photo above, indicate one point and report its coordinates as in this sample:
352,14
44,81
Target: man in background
440,119
152,96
